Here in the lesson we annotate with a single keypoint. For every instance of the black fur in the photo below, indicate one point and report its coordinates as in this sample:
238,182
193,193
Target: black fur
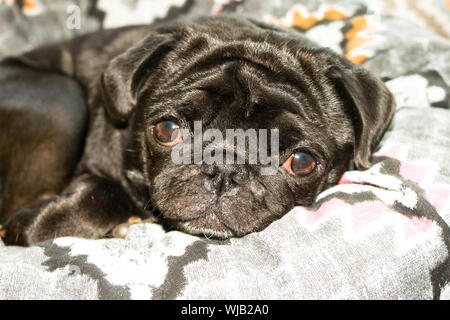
77,162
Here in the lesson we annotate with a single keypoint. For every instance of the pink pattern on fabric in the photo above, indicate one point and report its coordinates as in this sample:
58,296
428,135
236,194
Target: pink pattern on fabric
415,225
413,172
364,214
314,216
420,172
393,151
438,198
344,179
218,6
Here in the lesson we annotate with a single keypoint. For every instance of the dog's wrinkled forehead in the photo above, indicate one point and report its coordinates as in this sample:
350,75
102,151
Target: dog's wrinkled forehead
200,49
259,72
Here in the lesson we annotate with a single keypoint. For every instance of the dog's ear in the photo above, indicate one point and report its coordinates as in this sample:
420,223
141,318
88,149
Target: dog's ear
122,78
372,107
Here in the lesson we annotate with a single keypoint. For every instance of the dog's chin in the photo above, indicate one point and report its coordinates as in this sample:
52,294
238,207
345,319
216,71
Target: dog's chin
219,217
201,215
208,226
186,202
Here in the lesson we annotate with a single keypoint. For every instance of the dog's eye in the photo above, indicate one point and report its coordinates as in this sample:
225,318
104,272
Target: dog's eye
300,164
167,133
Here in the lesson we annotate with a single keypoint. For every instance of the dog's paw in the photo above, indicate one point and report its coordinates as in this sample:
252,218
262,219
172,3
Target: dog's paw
121,230
14,231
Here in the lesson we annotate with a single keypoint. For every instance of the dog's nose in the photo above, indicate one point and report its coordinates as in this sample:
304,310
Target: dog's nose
222,177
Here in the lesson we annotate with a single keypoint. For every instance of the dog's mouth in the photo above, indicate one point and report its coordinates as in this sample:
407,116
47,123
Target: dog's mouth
186,202
209,226
217,217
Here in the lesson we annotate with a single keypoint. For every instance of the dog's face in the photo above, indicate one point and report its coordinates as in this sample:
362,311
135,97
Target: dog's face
226,73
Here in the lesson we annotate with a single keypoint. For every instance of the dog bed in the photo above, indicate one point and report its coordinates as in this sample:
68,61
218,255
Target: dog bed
382,233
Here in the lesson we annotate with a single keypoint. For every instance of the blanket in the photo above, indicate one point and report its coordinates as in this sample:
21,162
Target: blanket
382,233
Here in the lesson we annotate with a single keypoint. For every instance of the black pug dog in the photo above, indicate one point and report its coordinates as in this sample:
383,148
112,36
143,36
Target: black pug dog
88,126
